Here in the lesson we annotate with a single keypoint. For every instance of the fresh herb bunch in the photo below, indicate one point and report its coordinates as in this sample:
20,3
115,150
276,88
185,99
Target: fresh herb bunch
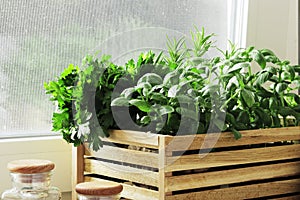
259,100
183,91
83,98
61,91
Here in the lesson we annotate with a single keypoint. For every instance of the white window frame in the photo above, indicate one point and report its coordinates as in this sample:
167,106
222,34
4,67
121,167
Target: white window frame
237,29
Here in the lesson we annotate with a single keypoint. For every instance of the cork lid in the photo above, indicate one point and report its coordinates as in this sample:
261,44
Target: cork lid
98,188
30,166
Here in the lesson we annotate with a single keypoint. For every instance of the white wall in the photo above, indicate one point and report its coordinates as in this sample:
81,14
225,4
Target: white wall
272,24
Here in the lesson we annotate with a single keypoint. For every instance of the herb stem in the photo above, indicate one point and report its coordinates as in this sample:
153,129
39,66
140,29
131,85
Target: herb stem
232,97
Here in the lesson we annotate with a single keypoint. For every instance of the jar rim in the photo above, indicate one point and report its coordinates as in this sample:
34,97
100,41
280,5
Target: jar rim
30,166
97,188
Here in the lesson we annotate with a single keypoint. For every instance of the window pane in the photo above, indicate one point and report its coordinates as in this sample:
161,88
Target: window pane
39,38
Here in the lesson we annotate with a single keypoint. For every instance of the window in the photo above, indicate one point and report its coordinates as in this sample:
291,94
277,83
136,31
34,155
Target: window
40,38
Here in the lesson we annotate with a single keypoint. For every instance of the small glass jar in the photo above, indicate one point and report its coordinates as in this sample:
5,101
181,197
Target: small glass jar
31,180
98,190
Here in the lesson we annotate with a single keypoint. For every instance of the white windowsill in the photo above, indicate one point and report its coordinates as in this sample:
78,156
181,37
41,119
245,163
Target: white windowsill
52,148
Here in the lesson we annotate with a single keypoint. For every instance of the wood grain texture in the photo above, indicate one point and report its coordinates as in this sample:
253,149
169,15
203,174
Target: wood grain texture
133,138
244,192
294,197
77,167
202,141
80,163
199,180
122,172
226,158
201,176
132,191
126,155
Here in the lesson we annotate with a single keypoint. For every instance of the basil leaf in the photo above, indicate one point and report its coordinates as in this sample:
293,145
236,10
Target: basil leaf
141,105
248,97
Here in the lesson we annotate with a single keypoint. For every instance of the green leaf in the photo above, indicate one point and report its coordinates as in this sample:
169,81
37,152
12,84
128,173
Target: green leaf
141,105
173,91
145,120
286,111
259,58
230,118
237,67
248,97
264,103
291,70
165,110
120,101
187,113
232,81
267,52
243,117
271,69
281,87
152,78
184,99
158,97
262,92
143,85
171,78
241,126
296,83
128,92
262,78
273,103
236,133
264,116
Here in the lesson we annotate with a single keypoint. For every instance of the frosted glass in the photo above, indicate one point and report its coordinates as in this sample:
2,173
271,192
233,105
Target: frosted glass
39,38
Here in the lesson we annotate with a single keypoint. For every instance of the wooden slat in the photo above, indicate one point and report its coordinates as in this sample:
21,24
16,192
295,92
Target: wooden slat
294,197
163,154
77,167
80,164
133,192
126,155
191,181
192,142
244,192
133,138
121,172
215,159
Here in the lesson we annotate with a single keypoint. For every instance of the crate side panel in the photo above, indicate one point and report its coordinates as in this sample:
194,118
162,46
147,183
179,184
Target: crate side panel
126,155
215,140
190,181
133,138
119,171
227,158
243,192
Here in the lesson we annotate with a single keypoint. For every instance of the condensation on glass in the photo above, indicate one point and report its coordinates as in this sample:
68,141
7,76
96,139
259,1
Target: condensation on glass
31,179
98,190
39,38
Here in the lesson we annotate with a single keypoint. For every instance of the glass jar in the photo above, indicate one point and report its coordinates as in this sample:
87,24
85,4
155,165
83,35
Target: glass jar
98,190
31,180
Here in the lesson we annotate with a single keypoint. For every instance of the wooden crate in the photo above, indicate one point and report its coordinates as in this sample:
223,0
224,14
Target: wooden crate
263,164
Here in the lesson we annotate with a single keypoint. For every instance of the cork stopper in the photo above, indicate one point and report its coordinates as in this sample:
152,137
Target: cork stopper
30,166
99,188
